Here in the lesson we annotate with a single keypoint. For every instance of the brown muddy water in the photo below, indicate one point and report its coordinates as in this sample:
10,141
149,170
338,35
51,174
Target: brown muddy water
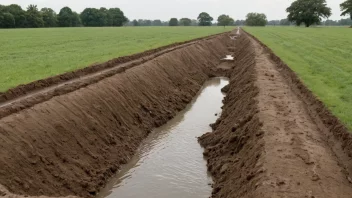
170,163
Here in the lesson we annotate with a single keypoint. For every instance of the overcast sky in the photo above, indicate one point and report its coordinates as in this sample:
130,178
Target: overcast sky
166,9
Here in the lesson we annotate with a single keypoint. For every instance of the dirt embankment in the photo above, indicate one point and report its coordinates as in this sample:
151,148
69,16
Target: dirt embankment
232,149
133,60
26,96
275,138
72,143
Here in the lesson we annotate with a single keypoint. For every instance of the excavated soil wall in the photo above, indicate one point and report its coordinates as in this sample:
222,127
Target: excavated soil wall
234,147
26,96
71,144
136,58
328,123
274,137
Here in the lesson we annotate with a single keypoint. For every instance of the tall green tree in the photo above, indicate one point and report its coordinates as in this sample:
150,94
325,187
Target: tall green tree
92,17
256,19
103,17
135,23
49,17
106,19
7,20
308,12
346,8
204,19
76,20
117,16
185,22
148,22
18,13
225,20
66,17
157,23
173,22
34,17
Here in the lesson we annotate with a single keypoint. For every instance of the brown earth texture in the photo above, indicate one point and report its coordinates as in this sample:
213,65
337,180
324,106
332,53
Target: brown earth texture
65,136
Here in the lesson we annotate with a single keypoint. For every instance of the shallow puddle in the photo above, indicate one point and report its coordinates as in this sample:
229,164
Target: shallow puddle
170,163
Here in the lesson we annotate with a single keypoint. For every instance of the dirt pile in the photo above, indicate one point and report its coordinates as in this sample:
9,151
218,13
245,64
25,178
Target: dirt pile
274,138
72,143
135,59
233,149
26,96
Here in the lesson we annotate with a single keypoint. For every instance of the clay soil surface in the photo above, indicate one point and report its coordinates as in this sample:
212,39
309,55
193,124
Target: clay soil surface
67,135
274,138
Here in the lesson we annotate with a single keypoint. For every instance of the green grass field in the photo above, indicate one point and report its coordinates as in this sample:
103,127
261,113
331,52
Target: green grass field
322,58
31,54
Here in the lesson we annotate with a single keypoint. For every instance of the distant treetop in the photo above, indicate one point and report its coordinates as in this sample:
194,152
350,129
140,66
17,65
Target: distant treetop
173,22
256,19
308,12
225,20
185,22
205,19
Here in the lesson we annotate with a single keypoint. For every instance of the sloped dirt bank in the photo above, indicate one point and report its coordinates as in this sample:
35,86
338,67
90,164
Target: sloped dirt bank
233,149
72,143
133,60
275,138
25,96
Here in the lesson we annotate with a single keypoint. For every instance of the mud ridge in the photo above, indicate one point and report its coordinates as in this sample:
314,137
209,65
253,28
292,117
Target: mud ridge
71,144
234,147
337,135
61,78
274,137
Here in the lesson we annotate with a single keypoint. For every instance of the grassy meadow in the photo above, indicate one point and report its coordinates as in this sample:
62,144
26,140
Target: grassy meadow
31,54
322,58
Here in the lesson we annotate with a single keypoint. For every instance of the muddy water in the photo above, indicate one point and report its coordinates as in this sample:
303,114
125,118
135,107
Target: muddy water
170,163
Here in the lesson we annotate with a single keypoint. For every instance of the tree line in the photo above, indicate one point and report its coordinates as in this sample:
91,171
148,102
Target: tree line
341,22
204,19
13,16
286,22
305,12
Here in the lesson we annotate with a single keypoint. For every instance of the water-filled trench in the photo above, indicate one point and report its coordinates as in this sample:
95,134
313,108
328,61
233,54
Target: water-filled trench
169,162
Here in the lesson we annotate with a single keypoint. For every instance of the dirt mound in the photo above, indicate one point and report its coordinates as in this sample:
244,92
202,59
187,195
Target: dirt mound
25,96
329,124
275,138
235,146
72,143
54,80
